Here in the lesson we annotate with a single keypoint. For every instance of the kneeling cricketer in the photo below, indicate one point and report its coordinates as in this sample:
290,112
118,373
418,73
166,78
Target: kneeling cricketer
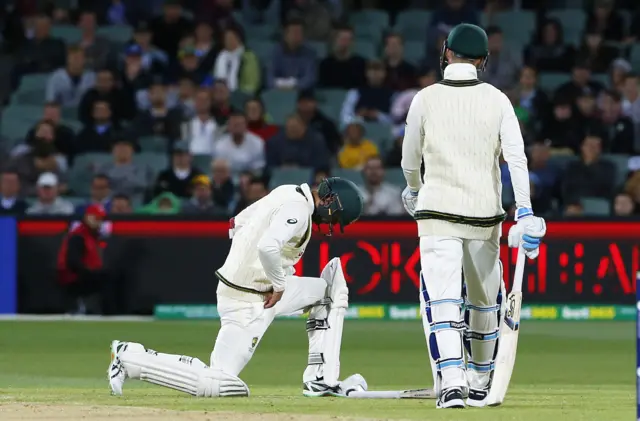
256,284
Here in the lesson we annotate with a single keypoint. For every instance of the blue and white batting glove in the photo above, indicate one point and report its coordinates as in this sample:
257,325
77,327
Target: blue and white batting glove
409,200
528,232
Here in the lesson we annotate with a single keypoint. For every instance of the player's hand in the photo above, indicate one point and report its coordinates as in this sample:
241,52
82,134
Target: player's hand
272,298
527,232
409,200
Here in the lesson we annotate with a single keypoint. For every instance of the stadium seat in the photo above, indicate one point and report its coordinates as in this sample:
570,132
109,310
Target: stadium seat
518,26
68,33
84,167
621,162
413,24
264,32
76,200
562,161
395,176
550,81
73,124
117,34
282,176
368,32
365,48
634,57
573,22
33,82
353,175
238,99
594,206
379,133
154,160
34,97
376,18
331,96
18,119
414,51
320,48
280,104
158,144
202,162
69,112
263,49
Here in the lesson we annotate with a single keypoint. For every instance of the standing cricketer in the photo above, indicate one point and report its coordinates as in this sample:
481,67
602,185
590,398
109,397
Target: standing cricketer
256,284
459,127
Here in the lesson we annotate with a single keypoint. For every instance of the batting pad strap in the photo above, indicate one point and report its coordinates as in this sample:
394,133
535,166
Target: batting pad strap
481,368
482,309
316,358
453,362
482,336
317,324
449,325
453,301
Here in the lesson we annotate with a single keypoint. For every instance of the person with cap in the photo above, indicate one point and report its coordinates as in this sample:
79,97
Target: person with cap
179,177
48,201
307,108
189,65
356,150
154,60
80,266
133,75
201,201
459,127
257,283
170,27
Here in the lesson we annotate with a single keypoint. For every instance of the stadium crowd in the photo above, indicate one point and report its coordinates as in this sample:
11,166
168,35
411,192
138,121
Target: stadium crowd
202,106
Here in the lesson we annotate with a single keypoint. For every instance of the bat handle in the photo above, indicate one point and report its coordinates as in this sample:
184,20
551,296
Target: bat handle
519,272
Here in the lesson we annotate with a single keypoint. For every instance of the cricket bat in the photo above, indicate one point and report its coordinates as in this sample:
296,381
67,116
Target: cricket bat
508,342
392,394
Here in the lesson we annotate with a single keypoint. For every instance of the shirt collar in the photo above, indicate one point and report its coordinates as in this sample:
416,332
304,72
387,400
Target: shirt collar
306,191
460,71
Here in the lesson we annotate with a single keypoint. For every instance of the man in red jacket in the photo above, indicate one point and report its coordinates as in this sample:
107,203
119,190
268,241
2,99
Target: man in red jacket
80,258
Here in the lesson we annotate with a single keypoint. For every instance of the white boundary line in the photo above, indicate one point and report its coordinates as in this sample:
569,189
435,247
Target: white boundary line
71,318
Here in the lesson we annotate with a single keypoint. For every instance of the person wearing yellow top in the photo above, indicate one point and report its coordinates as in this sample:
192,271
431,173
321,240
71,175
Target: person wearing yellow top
356,150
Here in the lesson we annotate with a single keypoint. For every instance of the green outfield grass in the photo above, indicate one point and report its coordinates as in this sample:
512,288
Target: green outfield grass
565,370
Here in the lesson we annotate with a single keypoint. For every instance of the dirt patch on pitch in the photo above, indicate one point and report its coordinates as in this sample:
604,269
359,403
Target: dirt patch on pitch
35,412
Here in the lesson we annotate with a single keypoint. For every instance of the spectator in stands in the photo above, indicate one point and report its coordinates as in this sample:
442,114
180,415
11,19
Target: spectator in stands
64,137
205,46
543,176
573,209
48,201
400,106
297,146
165,204
162,85
591,176
96,48
186,95
221,183
529,96
10,201
400,74
371,102
201,201
177,178
315,16
40,159
631,102
307,109
505,64
594,53
256,190
563,128
605,20
188,65
293,62
380,198
221,107
98,136
219,13
202,130
356,150
43,133
623,205
618,72
256,120
342,68
243,150
548,52
169,28
619,131
634,29
99,194
159,119
587,107
154,60
133,76
68,84
121,205
580,82
237,65
126,176
106,90
451,14
42,53
394,156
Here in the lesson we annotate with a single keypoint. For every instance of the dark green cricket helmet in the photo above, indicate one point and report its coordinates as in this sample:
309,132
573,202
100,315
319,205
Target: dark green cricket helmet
466,41
340,203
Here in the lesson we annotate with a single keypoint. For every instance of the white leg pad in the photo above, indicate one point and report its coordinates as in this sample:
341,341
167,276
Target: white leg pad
180,372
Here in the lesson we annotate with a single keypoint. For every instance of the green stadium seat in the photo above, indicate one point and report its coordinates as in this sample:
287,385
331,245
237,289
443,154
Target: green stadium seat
18,119
601,77
238,99
263,49
320,48
518,26
282,176
33,82
158,144
395,176
68,33
69,112
118,34
265,32
84,167
15,130
379,133
73,124
76,200
550,81
573,22
376,18
594,206
366,49
368,32
280,104
154,160
331,96
621,162
202,162
414,51
634,57
413,24
34,97
562,161
331,111
353,175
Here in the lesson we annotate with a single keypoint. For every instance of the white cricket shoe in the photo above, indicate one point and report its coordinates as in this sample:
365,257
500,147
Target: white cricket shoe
116,372
477,398
451,398
318,388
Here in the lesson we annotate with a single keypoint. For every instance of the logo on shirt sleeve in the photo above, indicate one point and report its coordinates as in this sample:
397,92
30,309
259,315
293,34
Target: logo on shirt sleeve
292,221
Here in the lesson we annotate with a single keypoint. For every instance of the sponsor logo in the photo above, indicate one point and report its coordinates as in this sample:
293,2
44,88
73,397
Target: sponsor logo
254,342
371,312
292,221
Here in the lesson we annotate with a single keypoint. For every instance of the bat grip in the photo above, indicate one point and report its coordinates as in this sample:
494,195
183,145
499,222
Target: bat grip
519,271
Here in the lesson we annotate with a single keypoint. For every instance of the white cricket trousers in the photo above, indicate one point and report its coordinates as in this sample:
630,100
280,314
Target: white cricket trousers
449,332
244,323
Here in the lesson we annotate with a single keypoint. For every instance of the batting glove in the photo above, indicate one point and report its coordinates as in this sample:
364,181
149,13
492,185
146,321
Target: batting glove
527,232
409,200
